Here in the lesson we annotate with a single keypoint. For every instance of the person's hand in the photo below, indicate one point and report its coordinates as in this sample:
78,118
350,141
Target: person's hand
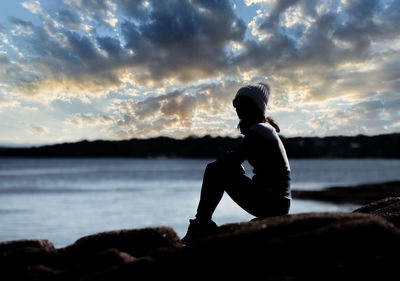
230,161
225,157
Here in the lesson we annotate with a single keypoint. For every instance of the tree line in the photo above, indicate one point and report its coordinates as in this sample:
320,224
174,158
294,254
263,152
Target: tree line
361,146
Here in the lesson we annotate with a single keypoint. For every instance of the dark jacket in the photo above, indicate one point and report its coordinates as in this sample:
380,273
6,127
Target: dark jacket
264,150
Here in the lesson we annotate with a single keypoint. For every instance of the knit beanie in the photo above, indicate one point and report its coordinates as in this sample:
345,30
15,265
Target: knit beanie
258,92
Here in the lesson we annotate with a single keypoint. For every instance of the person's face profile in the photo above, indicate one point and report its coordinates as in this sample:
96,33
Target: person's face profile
244,106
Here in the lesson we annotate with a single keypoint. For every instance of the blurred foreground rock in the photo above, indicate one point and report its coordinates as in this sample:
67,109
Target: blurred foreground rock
362,245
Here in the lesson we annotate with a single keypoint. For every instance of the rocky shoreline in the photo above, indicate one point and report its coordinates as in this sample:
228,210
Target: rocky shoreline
361,245
360,194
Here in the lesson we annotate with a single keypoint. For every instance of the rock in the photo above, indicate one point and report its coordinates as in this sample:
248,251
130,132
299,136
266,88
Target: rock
360,194
309,246
27,252
388,208
362,245
136,242
39,260
35,272
29,260
323,246
44,245
86,263
97,252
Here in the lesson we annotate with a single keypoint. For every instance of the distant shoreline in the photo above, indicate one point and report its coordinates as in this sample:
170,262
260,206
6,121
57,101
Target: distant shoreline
358,194
380,146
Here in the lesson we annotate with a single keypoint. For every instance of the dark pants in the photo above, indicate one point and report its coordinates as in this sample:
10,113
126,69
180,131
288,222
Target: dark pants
256,200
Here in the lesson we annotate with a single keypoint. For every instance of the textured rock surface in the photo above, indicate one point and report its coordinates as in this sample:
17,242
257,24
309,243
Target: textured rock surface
28,260
388,208
319,246
39,260
362,245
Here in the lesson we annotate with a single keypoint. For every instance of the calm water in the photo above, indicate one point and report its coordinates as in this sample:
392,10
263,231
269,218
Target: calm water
65,199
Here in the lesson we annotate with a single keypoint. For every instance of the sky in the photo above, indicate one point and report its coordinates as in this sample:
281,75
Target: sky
120,69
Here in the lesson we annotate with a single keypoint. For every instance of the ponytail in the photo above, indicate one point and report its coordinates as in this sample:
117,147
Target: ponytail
273,123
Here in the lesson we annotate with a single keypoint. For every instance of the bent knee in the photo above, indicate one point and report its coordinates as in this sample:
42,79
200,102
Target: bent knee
213,166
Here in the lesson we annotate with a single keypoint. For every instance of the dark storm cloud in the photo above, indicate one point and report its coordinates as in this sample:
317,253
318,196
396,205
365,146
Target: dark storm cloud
69,18
111,45
133,8
171,37
132,35
175,21
82,46
184,39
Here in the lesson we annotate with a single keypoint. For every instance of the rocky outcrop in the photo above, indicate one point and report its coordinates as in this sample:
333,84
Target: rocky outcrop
39,260
28,260
362,245
360,194
388,208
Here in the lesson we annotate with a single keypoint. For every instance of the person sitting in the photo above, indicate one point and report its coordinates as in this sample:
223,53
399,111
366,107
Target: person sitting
267,193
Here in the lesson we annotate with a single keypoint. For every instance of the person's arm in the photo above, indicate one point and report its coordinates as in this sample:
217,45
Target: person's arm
236,156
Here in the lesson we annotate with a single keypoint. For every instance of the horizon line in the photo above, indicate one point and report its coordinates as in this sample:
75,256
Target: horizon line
27,145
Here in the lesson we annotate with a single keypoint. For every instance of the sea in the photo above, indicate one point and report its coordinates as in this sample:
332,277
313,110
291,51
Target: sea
63,199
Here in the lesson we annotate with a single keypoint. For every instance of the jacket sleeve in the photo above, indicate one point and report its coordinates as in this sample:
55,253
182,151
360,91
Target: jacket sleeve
247,146
235,156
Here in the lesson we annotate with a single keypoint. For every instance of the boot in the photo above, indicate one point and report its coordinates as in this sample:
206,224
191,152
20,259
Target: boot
198,229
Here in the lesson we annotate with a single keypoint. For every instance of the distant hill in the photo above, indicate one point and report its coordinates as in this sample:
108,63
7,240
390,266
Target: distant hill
381,146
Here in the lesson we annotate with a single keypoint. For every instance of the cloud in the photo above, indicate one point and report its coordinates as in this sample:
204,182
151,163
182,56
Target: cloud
102,11
365,117
58,66
21,27
185,59
6,102
32,6
37,130
201,109
175,41
170,42
183,40
330,48
112,46
81,120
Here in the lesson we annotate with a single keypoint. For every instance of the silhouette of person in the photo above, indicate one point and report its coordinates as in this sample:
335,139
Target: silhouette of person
267,193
